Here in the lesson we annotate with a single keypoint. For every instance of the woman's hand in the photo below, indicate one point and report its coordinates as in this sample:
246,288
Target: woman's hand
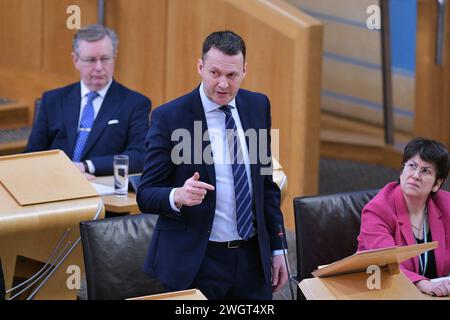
439,289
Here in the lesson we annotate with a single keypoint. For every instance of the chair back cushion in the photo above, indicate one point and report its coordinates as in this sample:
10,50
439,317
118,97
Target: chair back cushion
327,228
114,250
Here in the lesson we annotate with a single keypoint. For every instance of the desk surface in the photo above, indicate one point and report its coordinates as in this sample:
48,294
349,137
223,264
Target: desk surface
115,204
353,287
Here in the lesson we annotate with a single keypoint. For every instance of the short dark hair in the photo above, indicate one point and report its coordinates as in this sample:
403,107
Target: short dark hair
226,41
430,151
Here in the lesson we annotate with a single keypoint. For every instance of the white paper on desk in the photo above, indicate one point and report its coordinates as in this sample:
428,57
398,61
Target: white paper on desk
440,279
102,189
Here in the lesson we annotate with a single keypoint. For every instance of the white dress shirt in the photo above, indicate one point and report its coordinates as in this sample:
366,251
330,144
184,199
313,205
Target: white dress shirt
97,103
224,225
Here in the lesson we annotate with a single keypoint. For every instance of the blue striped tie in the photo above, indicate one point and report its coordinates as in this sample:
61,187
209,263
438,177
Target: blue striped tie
87,120
244,216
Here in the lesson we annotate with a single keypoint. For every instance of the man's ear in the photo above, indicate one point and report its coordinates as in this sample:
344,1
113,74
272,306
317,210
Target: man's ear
75,60
200,66
245,70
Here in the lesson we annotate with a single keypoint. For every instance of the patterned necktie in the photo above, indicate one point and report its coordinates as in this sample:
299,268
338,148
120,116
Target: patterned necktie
87,120
244,216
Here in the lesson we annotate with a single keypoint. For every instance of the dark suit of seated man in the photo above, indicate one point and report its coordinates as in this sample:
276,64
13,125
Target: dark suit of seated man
96,118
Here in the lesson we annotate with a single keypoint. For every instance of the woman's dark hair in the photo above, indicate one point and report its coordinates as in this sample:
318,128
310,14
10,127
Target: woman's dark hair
430,151
226,42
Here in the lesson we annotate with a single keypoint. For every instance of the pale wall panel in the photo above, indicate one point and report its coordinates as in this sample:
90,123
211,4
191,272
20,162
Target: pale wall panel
365,83
352,42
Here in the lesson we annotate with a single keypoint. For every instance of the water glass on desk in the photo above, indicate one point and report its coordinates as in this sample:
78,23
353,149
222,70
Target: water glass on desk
121,176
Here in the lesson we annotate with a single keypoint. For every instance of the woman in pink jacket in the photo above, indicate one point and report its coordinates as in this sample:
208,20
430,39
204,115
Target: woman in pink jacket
413,210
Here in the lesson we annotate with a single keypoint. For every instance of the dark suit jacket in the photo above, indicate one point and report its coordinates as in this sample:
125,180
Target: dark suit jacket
57,124
179,241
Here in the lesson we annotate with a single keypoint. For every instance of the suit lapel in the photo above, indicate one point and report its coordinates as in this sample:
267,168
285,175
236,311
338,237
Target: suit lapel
405,225
71,113
198,114
110,105
437,234
244,110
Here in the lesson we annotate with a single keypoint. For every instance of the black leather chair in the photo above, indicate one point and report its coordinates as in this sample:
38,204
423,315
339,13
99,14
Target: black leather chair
326,229
114,250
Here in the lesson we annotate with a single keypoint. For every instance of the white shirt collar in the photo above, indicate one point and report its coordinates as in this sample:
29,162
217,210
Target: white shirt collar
102,93
209,105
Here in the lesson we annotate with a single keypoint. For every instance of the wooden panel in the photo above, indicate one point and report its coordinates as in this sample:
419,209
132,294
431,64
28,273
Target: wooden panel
20,33
34,231
12,147
432,81
290,76
28,84
13,115
57,39
141,28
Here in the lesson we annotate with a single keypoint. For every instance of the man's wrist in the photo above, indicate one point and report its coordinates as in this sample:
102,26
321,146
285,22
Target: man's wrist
172,200
178,204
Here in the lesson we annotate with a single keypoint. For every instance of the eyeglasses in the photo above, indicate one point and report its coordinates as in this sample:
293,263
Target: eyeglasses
423,171
93,61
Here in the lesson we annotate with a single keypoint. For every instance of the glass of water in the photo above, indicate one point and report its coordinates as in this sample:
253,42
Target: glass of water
121,176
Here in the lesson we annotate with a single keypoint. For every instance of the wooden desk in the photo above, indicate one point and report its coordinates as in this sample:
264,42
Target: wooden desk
347,279
31,232
324,289
115,204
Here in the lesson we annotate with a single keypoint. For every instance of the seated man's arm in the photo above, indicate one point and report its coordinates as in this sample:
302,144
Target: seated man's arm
39,139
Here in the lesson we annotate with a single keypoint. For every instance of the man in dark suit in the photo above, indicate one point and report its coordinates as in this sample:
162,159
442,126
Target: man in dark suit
218,207
96,118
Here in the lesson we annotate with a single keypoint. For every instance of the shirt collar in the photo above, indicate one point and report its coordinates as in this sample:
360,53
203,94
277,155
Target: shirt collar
102,93
209,105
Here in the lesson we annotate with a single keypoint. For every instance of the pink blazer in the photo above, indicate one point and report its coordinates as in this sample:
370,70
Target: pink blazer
385,223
